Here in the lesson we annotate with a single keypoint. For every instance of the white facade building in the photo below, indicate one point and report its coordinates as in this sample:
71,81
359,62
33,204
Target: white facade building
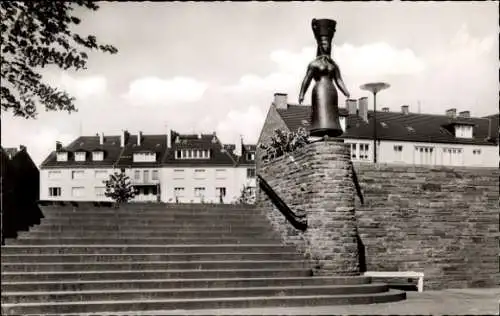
403,137
168,168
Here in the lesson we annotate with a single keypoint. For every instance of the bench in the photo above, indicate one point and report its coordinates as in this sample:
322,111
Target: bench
399,274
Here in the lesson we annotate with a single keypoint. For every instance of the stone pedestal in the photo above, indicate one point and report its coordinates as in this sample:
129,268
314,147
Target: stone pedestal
332,229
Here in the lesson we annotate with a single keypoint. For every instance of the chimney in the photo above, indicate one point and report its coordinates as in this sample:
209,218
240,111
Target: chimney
351,106
405,109
199,135
239,147
58,146
22,148
124,138
464,114
101,139
139,138
363,108
451,113
385,109
169,138
281,100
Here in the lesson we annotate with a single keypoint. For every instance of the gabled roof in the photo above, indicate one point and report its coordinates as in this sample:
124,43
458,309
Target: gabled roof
398,126
111,148
218,155
149,143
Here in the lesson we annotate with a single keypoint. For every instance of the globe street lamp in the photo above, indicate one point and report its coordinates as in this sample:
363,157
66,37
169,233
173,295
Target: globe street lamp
375,87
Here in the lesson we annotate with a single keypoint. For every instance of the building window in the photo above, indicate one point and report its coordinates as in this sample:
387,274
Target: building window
398,152
220,174
199,174
137,175
251,173
179,192
199,192
220,192
424,155
55,191
354,151
250,156
62,156
99,191
98,156
452,156
80,156
463,131
363,151
476,151
178,174
77,191
77,174
154,175
146,175
101,174
144,157
54,174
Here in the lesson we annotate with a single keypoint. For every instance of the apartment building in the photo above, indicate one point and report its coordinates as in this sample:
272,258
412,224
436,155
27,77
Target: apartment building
171,168
403,137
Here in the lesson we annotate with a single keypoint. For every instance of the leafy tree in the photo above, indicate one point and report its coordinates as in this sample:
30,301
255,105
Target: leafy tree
283,142
119,188
247,196
35,34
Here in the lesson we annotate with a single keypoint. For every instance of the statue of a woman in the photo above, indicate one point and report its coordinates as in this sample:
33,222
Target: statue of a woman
325,111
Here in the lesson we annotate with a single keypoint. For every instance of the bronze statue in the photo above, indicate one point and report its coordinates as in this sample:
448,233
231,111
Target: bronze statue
325,111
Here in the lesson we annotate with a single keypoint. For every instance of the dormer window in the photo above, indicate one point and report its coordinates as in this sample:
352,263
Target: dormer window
97,156
250,156
62,156
463,131
144,157
80,156
192,154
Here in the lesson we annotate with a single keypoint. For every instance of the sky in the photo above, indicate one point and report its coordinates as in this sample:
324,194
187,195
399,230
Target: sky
215,66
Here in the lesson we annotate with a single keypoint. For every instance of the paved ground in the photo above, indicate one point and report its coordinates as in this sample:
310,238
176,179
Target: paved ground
447,302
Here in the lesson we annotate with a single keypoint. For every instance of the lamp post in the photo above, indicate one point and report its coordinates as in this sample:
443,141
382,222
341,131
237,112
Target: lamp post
375,87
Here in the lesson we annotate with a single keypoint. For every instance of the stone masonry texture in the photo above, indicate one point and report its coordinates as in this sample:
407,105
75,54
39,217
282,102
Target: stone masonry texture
318,180
439,220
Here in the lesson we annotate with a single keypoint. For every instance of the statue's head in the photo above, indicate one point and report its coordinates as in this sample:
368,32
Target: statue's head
323,29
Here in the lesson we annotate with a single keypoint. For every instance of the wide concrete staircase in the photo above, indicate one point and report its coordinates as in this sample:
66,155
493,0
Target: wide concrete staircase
153,257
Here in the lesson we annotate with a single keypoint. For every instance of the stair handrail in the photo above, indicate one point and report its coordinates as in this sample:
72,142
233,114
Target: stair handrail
298,221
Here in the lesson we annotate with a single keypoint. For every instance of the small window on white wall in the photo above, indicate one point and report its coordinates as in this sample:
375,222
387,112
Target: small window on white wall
99,191
97,155
363,151
101,174
77,174
398,152
55,191
63,156
354,151
476,152
54,174
77,191
154,175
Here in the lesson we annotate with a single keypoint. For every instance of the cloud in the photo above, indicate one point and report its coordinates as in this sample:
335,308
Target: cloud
79,87
156,91
246,123
358,64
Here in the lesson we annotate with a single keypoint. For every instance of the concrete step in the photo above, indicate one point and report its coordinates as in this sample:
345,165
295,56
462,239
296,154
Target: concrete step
137,241
80,285
147,234
159,221
172,304
176,227
166,214
153,274
151,265
143,249
138,257
138,294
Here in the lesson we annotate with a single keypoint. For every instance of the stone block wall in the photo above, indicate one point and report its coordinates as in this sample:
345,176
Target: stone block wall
318,180
442,221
